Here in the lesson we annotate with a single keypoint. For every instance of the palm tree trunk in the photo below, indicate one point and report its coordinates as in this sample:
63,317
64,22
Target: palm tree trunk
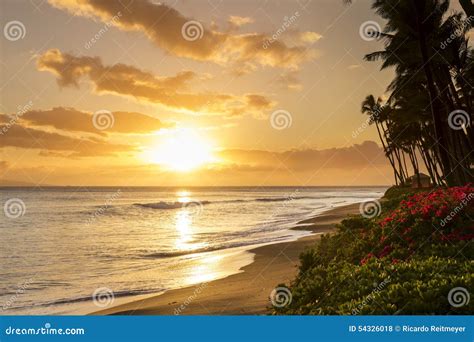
435,105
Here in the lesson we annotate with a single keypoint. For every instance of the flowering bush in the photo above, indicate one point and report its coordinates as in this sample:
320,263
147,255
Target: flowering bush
422,243
443,215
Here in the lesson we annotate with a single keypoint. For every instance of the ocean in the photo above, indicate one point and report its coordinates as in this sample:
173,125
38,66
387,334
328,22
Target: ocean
74,250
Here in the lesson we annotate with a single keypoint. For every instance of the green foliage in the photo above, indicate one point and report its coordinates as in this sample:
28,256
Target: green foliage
399,263
418,286
395,194
329,249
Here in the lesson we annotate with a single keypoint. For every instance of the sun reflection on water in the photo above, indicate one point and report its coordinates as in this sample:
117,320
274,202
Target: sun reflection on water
205,268
183,196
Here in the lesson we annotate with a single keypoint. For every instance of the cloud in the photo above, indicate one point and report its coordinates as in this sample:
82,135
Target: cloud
354,66
289,81
163,25
72,120
309,36
348,158
299,37
362,164
171,92
236,21
51,142
4,165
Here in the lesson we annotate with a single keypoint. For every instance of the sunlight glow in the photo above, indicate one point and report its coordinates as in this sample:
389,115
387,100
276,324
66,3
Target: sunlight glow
183,196
184,150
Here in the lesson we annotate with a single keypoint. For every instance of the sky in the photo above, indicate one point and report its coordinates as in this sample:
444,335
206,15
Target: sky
207,93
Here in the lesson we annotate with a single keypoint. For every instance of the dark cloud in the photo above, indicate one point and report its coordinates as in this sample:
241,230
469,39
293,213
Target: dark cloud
354,157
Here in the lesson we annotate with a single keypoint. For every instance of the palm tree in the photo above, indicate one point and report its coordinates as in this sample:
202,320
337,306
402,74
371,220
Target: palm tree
412,36
467,6
377,112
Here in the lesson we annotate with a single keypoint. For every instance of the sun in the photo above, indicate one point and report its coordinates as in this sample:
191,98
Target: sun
182,150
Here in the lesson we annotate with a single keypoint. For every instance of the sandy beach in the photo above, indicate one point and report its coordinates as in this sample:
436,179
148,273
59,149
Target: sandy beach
245,293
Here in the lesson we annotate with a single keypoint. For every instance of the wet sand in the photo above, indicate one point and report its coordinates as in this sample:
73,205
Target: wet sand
245,293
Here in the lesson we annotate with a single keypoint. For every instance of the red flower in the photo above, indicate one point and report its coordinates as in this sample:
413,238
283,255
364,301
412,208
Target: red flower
386,250
367,258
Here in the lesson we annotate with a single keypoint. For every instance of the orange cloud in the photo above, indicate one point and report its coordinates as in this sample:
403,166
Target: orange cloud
125,80
349,158
70,119
237,21
19,136
166,27
352,165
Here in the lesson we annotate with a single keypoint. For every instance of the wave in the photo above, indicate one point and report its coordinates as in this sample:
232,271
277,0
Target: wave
179,205
168,205
283,199
114,294
163,255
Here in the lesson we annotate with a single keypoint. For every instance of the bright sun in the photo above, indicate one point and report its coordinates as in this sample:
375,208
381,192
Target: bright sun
183,150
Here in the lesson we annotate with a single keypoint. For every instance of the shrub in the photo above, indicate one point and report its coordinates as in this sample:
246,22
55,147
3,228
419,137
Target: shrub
414,245
422,219
418,286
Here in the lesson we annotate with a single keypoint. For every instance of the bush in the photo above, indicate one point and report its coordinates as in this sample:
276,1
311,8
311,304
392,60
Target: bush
418,286
414,245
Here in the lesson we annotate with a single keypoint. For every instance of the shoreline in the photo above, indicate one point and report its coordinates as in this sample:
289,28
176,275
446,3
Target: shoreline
243,293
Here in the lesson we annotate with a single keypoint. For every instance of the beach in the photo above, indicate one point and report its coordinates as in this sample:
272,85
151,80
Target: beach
244,293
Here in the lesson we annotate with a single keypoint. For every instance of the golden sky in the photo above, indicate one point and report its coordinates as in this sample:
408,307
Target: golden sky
235,92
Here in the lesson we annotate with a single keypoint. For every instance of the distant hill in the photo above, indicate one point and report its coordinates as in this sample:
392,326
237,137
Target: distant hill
10,182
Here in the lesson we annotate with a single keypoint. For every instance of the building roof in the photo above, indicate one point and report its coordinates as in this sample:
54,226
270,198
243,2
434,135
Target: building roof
422,175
